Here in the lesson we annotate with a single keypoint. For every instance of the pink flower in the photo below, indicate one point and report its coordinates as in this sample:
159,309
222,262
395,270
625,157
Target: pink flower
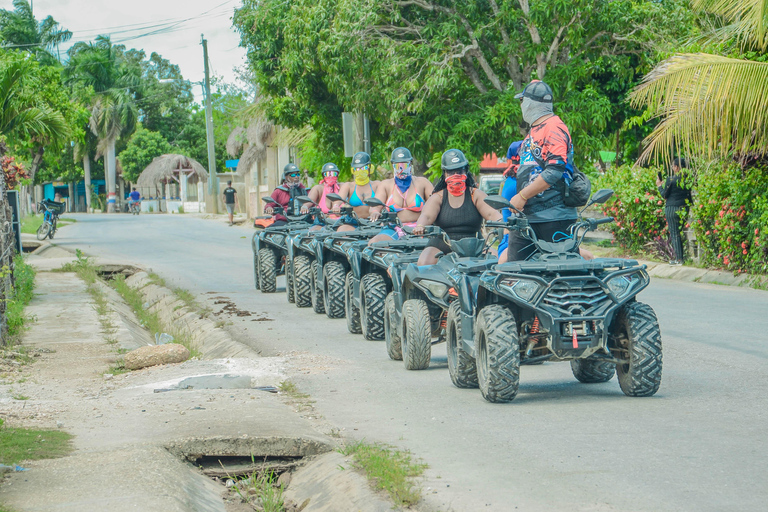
659,202
637,200
744,251
755,230
707,233
743,245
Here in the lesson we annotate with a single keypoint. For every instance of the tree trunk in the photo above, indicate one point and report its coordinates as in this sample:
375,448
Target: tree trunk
87,169
112,181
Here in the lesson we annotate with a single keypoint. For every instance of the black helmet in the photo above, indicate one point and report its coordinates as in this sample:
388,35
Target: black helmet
361,159
290,168
401,155
453,159
330,167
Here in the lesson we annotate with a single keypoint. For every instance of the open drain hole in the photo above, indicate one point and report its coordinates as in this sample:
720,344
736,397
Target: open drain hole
233,467
110,272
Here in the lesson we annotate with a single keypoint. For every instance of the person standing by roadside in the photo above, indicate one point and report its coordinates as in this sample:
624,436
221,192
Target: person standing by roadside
677,195
230,198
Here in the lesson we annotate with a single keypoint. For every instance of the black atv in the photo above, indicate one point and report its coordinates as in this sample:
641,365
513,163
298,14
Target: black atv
270,250
328,283
558,306
301,262
369,279
425,299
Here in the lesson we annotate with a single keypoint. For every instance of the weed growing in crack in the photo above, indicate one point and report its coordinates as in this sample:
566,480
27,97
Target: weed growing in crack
388,469
262,489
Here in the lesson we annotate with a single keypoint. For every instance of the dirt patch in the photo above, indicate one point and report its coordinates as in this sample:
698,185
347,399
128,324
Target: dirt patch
230,308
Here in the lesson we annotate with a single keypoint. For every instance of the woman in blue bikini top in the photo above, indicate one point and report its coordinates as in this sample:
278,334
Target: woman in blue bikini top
358,190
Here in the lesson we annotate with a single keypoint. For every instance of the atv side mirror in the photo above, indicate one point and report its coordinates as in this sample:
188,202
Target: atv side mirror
601,196
372,201
304,199
335,197
497,202
268,199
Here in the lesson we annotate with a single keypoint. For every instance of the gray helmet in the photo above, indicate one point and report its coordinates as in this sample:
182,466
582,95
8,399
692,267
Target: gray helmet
361,159
453,159
330,167
290,168
401,155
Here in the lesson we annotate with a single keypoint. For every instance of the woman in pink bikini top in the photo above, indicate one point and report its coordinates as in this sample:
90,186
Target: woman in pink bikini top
328,185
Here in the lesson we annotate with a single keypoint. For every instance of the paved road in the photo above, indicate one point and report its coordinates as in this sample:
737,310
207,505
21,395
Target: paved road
699,444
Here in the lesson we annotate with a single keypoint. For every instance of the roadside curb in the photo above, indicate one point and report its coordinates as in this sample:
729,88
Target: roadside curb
211,341
701,275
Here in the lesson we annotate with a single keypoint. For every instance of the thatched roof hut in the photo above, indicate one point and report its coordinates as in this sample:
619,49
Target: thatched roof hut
162,168
249,143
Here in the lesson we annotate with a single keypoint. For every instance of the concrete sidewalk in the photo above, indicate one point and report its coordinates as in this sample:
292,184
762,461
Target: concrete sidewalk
135,433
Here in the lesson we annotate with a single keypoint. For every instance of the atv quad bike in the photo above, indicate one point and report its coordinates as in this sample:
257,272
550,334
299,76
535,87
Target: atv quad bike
557,306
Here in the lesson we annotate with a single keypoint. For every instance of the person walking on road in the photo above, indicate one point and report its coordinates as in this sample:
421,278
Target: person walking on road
230,198
677,196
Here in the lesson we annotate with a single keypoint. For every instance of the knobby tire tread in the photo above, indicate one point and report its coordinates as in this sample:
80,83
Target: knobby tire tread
461,366
318,298
352,311
373,290
267,270
302,287
417,338
393,342
642,376
499,371
334,289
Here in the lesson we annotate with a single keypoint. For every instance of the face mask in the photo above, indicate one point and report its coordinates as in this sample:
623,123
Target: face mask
361,176
533,110
331,180
402,173
291,184
456,184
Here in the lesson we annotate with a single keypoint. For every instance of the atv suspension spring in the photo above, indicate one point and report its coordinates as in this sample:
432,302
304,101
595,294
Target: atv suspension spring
535,326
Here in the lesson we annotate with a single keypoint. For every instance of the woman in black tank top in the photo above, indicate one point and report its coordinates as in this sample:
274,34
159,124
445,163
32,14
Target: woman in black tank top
455,205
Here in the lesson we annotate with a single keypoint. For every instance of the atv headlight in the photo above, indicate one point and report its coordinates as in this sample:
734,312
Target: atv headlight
622,285
435,288
524,289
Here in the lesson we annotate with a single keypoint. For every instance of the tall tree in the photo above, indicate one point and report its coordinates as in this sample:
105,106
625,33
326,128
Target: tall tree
712,104
113,112
20,29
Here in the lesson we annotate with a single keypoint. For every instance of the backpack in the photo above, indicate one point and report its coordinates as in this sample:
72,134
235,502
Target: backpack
576,187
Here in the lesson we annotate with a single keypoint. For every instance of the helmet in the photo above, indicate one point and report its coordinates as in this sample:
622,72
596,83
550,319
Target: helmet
330,167
453,159
290,168
361,159
401,155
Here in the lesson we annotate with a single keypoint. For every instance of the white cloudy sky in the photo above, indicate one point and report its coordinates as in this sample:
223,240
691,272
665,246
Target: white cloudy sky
171,28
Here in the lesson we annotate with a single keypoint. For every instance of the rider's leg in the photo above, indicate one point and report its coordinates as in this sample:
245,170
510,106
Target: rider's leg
428,256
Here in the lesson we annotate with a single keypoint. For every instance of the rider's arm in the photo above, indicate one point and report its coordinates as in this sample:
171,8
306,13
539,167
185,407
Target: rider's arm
484,208
382,193
428,187
428,214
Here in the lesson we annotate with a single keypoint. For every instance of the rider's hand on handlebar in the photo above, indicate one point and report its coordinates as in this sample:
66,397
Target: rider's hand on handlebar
418,230
374,215
268,210
304,210
336,208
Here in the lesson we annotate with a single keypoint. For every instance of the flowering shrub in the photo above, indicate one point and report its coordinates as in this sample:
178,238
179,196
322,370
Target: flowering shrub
730,218
636,206
13,171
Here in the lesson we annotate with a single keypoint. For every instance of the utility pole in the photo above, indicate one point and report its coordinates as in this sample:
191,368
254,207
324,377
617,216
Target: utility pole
213,180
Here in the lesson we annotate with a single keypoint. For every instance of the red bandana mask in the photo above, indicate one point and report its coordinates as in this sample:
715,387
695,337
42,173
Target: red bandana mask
456,184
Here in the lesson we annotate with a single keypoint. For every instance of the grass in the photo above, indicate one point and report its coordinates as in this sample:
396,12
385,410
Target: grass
19,444
191,303
23,292
389,469
149,319
268,495
31,223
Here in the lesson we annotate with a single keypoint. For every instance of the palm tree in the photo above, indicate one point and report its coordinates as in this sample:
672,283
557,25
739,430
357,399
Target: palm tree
113,112
709,105
19,28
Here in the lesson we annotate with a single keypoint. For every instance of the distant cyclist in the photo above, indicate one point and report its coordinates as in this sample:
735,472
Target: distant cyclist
134,198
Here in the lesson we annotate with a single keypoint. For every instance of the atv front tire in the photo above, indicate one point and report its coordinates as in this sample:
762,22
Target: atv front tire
461,365
267,270
353,312
302,287
334,289
497,349
373,293
637,330
256,269
416,342
394,349
318,300
289,291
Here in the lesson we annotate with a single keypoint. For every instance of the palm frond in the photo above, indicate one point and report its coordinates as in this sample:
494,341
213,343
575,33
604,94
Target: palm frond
709,105
748,18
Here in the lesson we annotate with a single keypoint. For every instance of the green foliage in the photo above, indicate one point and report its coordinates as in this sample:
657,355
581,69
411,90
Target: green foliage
20,444
143,147
730,218
636,206
20,29
23,292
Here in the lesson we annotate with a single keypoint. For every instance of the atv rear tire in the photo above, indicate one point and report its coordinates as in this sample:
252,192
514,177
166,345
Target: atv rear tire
353,313
461,365
637,329
417,335
590,371
267,270
373,293
302,287
318,299
394,349
256,270
334,289
498,354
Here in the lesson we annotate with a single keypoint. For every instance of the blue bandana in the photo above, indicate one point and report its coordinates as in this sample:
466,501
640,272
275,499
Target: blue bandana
404,184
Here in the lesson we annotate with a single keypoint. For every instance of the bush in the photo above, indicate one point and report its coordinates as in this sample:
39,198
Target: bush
23,291
637,207
730,217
